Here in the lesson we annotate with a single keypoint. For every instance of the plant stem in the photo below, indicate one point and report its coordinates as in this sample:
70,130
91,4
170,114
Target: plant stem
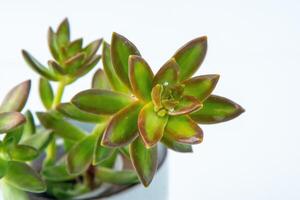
59,94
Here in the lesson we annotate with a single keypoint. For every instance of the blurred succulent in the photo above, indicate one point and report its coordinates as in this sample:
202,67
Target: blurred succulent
148,108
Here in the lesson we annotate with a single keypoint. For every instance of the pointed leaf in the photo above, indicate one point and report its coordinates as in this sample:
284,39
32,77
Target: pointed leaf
57,173
54,66
22,153
140,77
122,177
87,67
91,49
151,126
63,33
3,167
60,126
14,136
74,63
29,126
46,93
101,101
190,57
10,192
29,181
122,129
71,111
100,80
38,67
115,82
156,95
74,47
39,140
144,160
187,104
217,109
176,146
53,45
183,129
16,99
168,74
200,86
121,49
10,121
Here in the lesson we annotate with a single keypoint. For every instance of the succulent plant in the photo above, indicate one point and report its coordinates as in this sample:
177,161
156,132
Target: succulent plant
131,110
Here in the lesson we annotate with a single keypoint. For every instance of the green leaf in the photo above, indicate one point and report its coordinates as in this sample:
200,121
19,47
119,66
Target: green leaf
190,57
38,67
22,153
140,77
80,156
87,67
91,49
184,130
144,161
54,66
156,95
10,121
122,177
115,82
60,126
40,140
151,126
217,109
53,45
200,86
74,47
122,129
74,63
187,104
101,101
63,33
46,93
3,167
72,112
121,49
29,181
29,127
14,136
16,99
10,192
176,146
168,74
57,173
100,80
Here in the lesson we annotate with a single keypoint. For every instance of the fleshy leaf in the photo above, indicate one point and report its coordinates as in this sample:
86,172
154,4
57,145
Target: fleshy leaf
101,101
183,129
168,74
60,126
121,49
156,95
217,109
144,160
16,99
46,93
3,167
29,126
21,176
74,47
74,63
38,67
53,45
57,173
187,104
151,126
122,129
200,86
114,80
140,77
10,121
122,177
22,153
10,192
56,68
190,57
63,33
91,49
176,146
100,80
71,111
39,140
86,68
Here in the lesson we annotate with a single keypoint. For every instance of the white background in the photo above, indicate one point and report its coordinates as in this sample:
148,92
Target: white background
254,45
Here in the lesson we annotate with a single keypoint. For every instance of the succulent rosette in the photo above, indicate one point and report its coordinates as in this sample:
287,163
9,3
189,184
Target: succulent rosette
145,109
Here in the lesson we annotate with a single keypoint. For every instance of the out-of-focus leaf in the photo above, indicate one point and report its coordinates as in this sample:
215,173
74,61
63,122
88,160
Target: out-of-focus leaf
16,99
10,121
39,140
80,157
29,126
10,192
114,80
151,126
74,47
46,93
3,167
54,66
86,68
123,177
22,153
217,109
14,136
74,63
168,74
71,111
100,80
60,126
38,67
63,33
200,86
21,176
57,173
125,152
140,77
110,161
101,101
183,129
190,57
187,104
176,146
121,49
144,160
122,129
53,45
